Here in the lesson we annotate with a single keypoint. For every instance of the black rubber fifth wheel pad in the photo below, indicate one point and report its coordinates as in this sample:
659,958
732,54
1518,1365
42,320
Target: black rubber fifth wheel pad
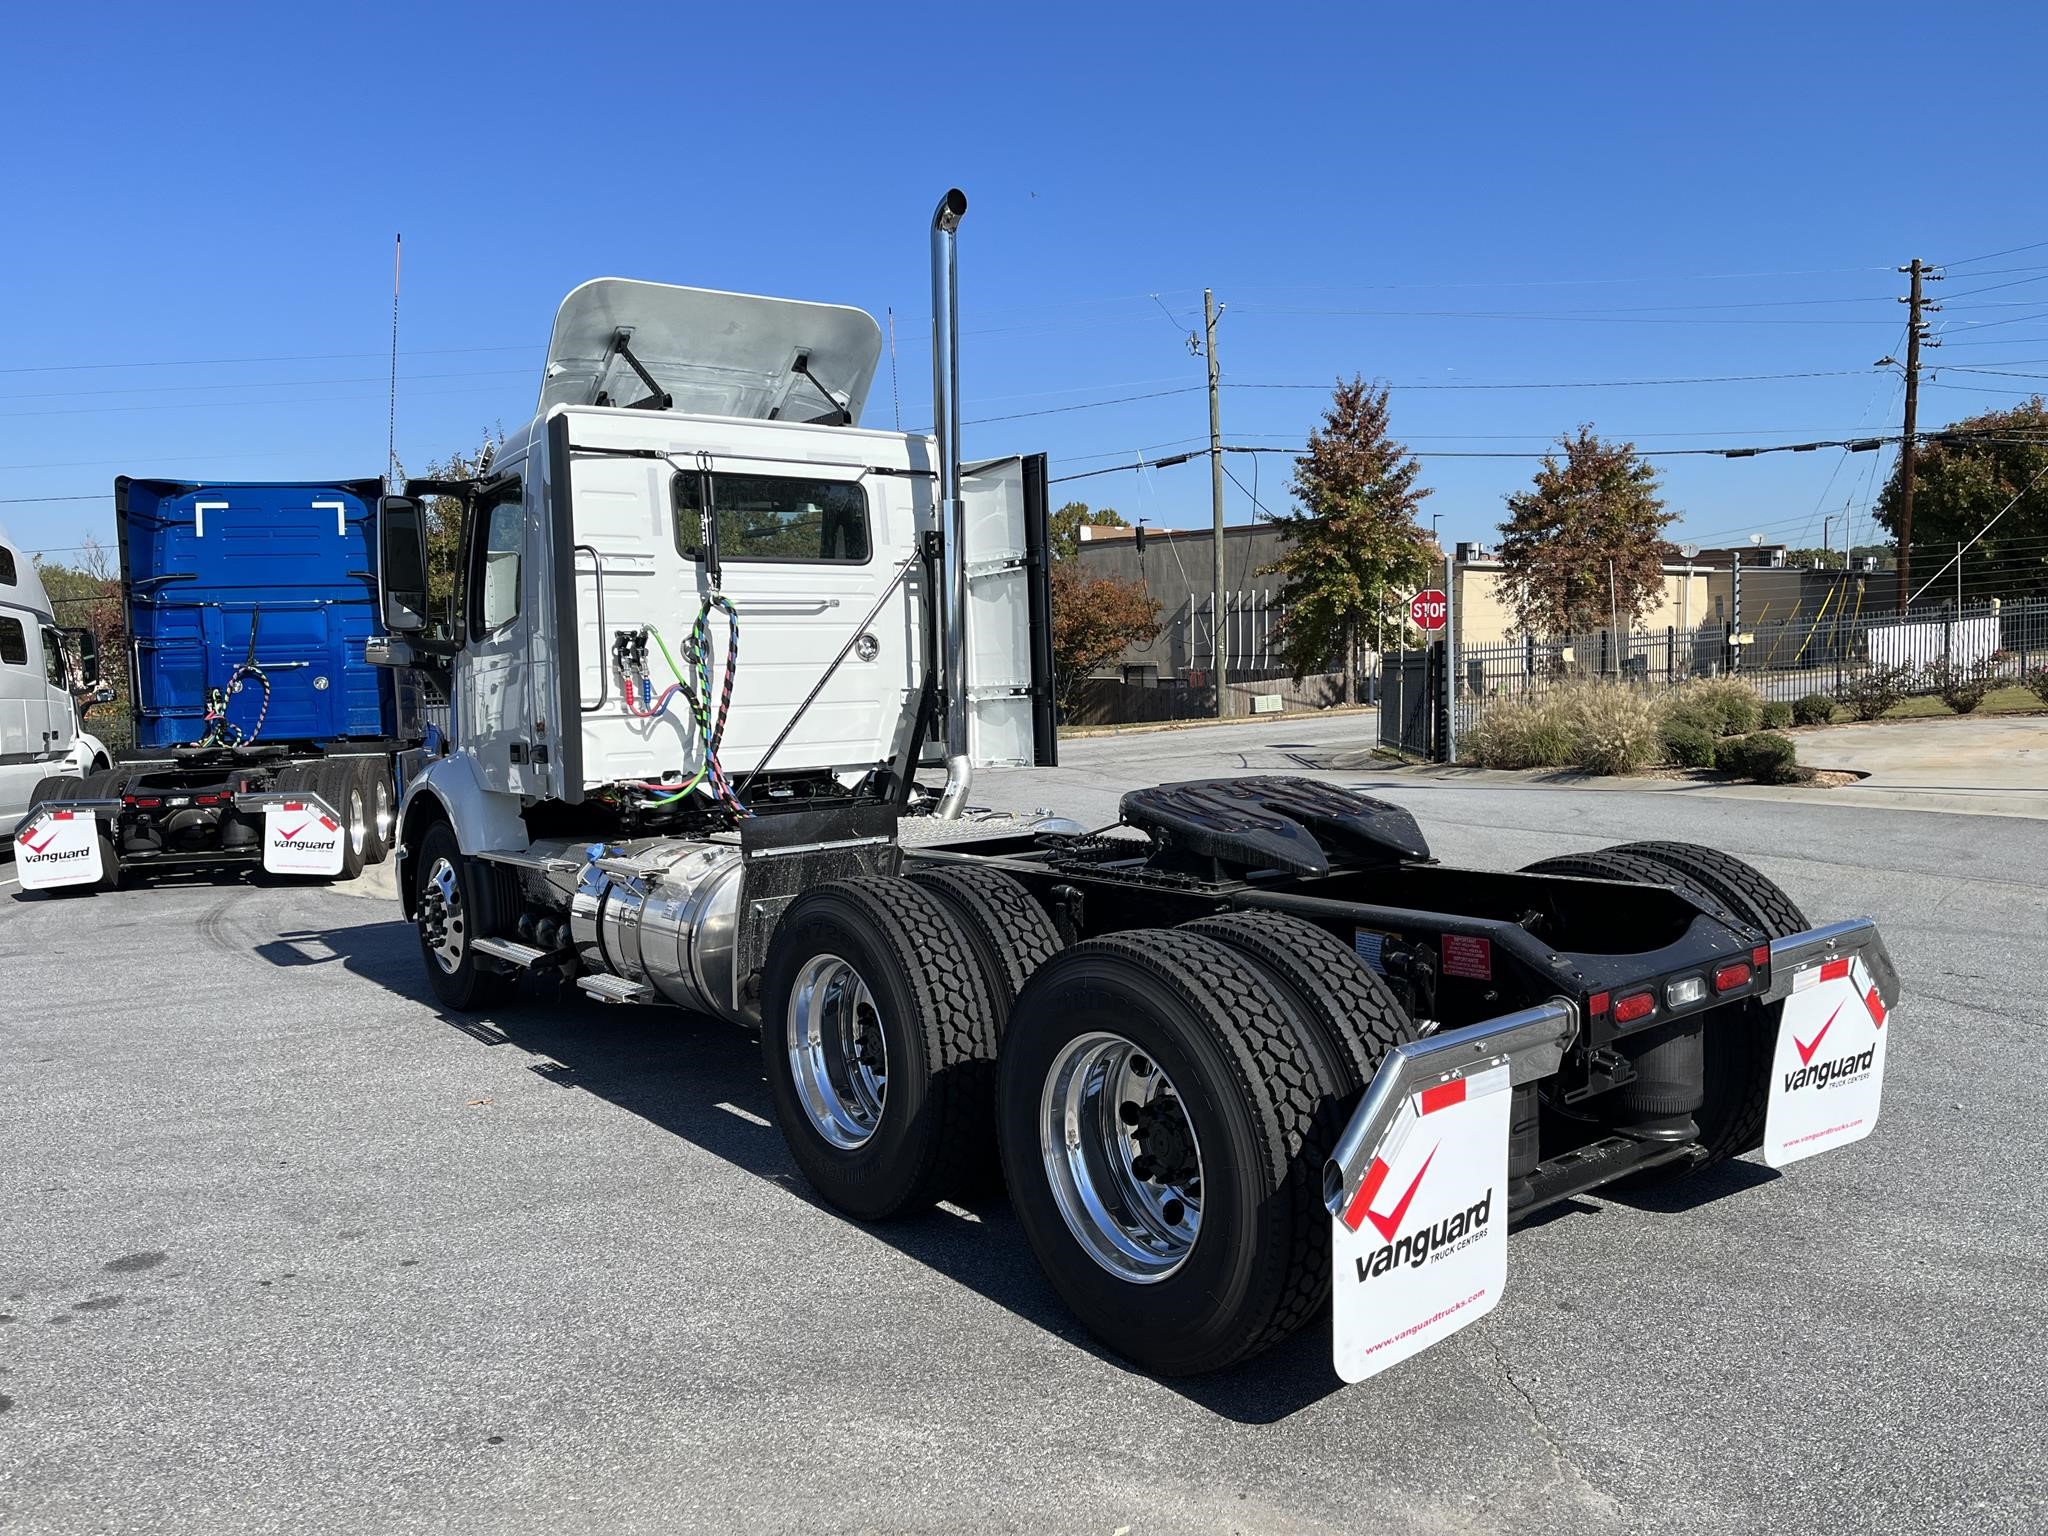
1250,1092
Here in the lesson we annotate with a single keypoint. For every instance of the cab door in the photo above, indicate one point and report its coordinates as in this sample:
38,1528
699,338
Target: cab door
62,714
494,680
1009,615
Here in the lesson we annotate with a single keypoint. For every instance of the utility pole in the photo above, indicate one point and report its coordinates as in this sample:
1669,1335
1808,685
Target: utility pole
1915,327
1220,659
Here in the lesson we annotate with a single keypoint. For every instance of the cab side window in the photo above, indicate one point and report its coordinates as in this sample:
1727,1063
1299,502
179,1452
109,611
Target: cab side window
13,643
7,576
495,564
53,660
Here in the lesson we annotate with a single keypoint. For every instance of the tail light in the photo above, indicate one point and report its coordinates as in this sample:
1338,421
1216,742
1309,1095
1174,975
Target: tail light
1729,977
143,801
1637,1005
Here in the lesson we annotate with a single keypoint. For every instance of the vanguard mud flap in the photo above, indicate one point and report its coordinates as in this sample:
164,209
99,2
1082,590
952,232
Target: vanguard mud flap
58,845
302,833
1827,1072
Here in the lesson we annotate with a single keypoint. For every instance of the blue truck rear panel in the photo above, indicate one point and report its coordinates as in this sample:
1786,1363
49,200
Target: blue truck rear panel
207,567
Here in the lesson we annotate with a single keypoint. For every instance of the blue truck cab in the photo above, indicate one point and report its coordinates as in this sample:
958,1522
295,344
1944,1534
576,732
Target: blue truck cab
248,610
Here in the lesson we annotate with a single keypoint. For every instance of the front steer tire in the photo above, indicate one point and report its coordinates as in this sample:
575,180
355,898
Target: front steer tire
1122,1009
878,1040
453,906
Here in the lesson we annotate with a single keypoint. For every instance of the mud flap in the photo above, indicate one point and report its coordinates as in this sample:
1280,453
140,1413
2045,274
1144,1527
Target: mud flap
1827,1073
301,837
56,848
1421,1248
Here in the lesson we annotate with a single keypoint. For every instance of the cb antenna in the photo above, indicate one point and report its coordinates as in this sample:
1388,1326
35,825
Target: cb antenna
391,420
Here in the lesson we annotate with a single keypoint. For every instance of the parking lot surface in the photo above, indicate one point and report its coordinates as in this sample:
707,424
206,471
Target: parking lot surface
282,1247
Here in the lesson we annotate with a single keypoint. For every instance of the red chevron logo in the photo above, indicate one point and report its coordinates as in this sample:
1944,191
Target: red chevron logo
1806,1048
1390,1223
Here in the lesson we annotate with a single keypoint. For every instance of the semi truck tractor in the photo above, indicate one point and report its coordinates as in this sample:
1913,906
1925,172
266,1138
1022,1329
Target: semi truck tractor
48,673
263,737
727,666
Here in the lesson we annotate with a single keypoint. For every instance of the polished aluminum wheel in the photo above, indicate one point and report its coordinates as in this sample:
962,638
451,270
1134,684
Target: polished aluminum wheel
382,812
1121,1157
837,1055
443,922
355,825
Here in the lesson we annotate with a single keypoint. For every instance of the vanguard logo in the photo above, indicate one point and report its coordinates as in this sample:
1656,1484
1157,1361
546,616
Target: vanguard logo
1831,1071
1415,1249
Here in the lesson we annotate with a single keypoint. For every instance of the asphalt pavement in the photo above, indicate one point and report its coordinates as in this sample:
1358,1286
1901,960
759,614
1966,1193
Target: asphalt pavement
284,1248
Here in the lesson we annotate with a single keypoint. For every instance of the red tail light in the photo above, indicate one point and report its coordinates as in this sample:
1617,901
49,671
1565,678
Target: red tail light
1637,1005
1729,977
1760,957
1596,1004
141,800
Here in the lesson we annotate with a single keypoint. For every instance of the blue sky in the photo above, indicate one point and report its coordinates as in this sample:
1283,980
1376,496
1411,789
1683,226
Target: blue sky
1427,195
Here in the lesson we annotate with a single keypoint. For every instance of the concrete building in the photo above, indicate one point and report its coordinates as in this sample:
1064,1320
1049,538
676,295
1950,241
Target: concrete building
1177,567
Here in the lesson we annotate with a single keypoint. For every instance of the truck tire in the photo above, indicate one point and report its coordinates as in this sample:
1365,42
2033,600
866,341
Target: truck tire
1010,933
1739,1043
338,783
456,903
878,1039
63,786
380,805
1155,1113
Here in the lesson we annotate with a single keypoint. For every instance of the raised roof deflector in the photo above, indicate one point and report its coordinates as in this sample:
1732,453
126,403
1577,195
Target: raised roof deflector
714,354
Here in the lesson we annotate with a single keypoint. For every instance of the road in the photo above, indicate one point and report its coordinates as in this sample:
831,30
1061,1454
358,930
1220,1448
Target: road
283,1248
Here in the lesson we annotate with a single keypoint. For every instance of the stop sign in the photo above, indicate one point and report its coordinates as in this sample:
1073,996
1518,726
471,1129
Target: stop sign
1429,610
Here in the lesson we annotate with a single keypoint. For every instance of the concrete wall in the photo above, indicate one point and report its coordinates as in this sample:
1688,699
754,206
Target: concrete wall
1176,566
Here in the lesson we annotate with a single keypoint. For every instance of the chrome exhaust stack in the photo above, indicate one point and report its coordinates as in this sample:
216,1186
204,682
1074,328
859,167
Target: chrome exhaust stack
952,514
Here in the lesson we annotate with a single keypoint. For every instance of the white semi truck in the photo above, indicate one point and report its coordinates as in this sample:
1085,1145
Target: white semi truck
725,667
45,669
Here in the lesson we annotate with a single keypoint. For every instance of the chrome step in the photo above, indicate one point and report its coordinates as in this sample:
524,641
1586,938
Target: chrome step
616,989
511,951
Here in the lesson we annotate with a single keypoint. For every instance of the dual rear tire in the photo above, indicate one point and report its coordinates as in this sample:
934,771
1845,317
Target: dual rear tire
1163,1105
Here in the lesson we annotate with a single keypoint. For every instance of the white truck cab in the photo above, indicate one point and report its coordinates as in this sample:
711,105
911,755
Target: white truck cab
40,733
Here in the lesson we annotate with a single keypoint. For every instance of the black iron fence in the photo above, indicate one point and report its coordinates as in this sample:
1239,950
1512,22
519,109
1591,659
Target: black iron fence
1782,658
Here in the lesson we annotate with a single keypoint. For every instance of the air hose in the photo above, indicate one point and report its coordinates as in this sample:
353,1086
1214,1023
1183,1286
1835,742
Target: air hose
695,687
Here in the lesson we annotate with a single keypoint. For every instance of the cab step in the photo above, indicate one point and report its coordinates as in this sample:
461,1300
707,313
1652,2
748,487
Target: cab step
512,952
616,989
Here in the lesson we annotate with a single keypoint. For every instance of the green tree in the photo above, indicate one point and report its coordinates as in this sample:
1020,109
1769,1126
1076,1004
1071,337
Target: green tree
1067,522
1964,479
86,594
1355,554
444,525
1586,540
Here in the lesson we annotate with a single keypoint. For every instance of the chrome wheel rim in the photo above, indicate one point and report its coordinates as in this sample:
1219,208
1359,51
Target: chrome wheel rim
443,923
384,813
358,829
1121,1157
837,1054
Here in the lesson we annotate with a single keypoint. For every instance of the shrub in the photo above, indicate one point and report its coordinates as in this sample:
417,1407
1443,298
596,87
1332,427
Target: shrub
2038,681
1765,756
1534,731
1962,687
1777,715
1814,709
1873,692
1617,728
1687,745
1725,705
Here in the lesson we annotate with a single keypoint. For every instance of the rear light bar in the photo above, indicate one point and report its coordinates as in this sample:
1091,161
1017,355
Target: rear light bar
142,800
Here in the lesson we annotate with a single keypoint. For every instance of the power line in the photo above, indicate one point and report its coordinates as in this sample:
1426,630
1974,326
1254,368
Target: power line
1718,378
1085,405
281,357
1585,317
2012,250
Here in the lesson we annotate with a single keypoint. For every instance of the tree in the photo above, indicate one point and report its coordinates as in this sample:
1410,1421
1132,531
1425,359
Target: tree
1355,554
1964,479
1815,559
1067,522
1094,619
87,595
444,524
1586,540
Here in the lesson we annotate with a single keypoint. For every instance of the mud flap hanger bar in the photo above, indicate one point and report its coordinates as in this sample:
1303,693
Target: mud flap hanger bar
1531,1043
1833,941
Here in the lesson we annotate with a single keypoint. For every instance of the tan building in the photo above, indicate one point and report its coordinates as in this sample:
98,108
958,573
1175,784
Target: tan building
1486,615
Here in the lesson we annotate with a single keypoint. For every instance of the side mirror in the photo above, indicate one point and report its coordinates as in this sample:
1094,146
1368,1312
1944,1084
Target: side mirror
88,657
402,564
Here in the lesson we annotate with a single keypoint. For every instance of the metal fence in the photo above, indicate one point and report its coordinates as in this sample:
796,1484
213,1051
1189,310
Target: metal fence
1782,659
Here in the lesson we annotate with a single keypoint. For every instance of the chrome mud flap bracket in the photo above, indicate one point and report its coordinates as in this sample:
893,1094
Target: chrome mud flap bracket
1417,1186
1839,989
